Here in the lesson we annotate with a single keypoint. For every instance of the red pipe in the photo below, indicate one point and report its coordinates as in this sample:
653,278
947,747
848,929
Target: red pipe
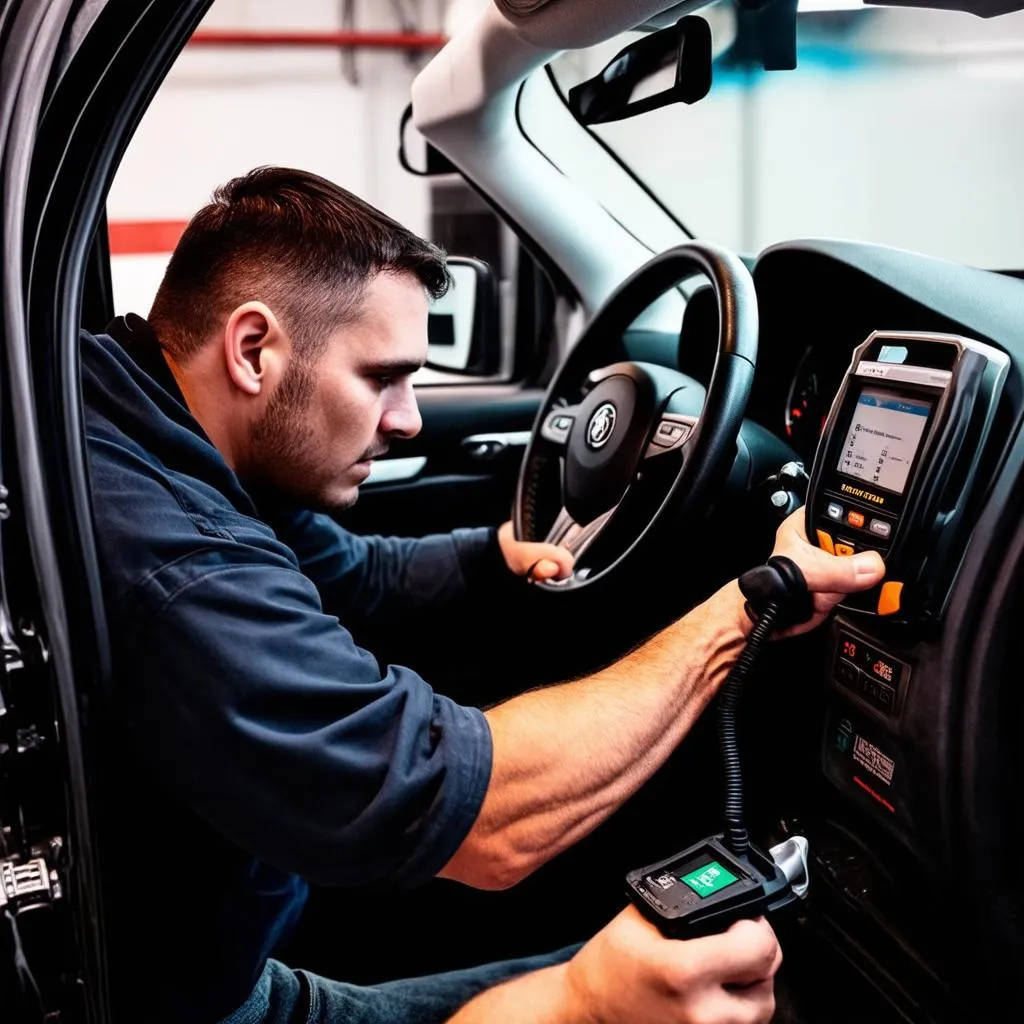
372,40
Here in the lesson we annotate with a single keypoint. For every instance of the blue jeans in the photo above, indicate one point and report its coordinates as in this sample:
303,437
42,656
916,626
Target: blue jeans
285,996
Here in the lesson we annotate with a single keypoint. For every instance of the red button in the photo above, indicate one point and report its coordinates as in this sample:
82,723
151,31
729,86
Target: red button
855,518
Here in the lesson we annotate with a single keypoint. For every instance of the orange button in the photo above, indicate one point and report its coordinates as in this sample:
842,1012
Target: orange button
889,598
825,541
844,549
855,518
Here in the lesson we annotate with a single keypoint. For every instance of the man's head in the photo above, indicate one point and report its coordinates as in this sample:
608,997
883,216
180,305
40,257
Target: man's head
294,314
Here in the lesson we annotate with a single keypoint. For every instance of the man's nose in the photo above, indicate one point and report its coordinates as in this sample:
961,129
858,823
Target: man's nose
402,418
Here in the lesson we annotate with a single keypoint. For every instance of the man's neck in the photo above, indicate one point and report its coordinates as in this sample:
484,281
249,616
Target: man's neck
202,409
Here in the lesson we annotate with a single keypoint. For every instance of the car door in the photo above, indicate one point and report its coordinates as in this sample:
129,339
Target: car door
76,78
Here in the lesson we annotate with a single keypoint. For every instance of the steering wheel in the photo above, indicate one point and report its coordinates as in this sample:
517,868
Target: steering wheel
618,443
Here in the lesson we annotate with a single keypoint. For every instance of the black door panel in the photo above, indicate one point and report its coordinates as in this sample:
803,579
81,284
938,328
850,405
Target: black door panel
473,441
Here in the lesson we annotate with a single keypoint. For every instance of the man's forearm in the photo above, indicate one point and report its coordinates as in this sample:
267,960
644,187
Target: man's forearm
567,756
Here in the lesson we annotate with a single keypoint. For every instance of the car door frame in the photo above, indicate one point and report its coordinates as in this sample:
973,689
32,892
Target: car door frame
77,78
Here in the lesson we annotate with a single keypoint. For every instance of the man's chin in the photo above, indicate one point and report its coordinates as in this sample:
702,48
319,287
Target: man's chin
339,499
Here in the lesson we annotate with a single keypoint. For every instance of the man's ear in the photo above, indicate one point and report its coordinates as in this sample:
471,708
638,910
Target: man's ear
254,347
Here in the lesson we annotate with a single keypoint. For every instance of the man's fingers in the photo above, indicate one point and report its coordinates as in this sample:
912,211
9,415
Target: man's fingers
544,569
827,573
823,572
746,953
548,561
535,560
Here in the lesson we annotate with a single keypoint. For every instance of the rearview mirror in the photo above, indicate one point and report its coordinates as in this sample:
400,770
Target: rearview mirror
670,66
462,326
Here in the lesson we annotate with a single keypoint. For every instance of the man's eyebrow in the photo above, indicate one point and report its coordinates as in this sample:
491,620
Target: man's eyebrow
392,367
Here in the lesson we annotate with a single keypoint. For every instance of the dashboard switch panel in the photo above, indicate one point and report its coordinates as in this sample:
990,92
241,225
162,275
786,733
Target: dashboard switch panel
869,672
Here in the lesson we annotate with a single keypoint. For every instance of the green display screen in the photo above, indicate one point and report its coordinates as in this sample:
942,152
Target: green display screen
708,879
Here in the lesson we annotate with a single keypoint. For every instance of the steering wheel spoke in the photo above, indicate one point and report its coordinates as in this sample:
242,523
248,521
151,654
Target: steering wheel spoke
576,537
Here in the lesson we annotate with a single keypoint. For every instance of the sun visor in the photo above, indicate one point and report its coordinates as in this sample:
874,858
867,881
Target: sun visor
569,24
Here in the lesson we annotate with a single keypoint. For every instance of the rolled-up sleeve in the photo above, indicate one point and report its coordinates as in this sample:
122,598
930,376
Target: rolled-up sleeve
258,710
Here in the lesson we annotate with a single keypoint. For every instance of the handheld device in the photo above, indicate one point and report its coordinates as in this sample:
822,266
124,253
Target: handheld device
725,877
897,461
707,887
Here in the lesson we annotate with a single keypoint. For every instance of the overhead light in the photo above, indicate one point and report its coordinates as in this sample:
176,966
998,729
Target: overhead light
816,6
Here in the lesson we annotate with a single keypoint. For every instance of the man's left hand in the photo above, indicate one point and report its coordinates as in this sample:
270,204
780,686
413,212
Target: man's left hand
534,559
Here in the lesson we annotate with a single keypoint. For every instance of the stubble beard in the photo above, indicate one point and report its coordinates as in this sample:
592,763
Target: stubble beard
281,441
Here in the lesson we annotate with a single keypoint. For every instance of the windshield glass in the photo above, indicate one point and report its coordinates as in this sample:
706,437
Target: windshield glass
900,127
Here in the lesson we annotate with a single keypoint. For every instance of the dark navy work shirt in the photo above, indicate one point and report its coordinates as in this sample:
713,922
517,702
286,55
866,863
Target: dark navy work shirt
256,746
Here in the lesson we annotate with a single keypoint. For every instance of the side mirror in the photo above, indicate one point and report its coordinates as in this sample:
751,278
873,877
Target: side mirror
670,66
463,330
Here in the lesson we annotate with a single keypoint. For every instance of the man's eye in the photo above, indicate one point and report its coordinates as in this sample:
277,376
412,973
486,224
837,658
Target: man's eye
383,379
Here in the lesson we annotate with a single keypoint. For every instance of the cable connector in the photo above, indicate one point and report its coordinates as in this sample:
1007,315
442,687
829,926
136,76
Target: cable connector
779,581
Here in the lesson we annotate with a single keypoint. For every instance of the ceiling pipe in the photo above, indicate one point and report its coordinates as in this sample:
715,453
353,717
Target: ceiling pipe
364,40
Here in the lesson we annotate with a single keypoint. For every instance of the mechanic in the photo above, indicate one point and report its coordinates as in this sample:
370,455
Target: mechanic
256,746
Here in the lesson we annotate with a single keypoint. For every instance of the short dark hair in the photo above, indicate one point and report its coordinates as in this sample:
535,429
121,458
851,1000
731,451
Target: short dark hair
291,239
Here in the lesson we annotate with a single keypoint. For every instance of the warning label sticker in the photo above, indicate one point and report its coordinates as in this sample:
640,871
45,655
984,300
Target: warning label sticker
868,755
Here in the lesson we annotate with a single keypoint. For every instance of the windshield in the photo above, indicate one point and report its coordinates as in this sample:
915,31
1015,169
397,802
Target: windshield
900,127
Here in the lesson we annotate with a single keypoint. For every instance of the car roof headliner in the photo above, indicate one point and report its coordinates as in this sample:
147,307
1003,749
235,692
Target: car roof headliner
567,24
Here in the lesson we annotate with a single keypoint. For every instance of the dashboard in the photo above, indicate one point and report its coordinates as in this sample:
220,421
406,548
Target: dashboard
819,299
919,863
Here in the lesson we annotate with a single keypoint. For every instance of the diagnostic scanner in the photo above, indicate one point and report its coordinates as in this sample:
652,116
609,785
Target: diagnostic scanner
704,889
897,461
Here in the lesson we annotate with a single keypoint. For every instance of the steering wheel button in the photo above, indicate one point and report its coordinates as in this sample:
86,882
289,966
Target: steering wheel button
855,518
834,510
844,549
669,434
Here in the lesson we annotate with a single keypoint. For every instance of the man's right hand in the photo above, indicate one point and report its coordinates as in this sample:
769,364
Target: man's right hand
629,972
829,578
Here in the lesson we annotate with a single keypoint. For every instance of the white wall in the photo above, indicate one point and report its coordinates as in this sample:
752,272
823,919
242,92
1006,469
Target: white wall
222,111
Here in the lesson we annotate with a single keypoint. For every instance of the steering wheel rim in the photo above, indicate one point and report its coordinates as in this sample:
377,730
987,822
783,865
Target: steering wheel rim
654,401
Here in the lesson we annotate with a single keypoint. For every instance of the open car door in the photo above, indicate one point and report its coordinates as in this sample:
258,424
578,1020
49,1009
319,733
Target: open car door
76,78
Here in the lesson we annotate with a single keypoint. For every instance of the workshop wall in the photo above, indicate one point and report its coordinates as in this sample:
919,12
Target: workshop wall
225,109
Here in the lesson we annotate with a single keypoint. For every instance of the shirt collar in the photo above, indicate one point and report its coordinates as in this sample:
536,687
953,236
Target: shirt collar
139,340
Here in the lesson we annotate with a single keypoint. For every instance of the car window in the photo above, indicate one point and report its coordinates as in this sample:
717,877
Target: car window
896,126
